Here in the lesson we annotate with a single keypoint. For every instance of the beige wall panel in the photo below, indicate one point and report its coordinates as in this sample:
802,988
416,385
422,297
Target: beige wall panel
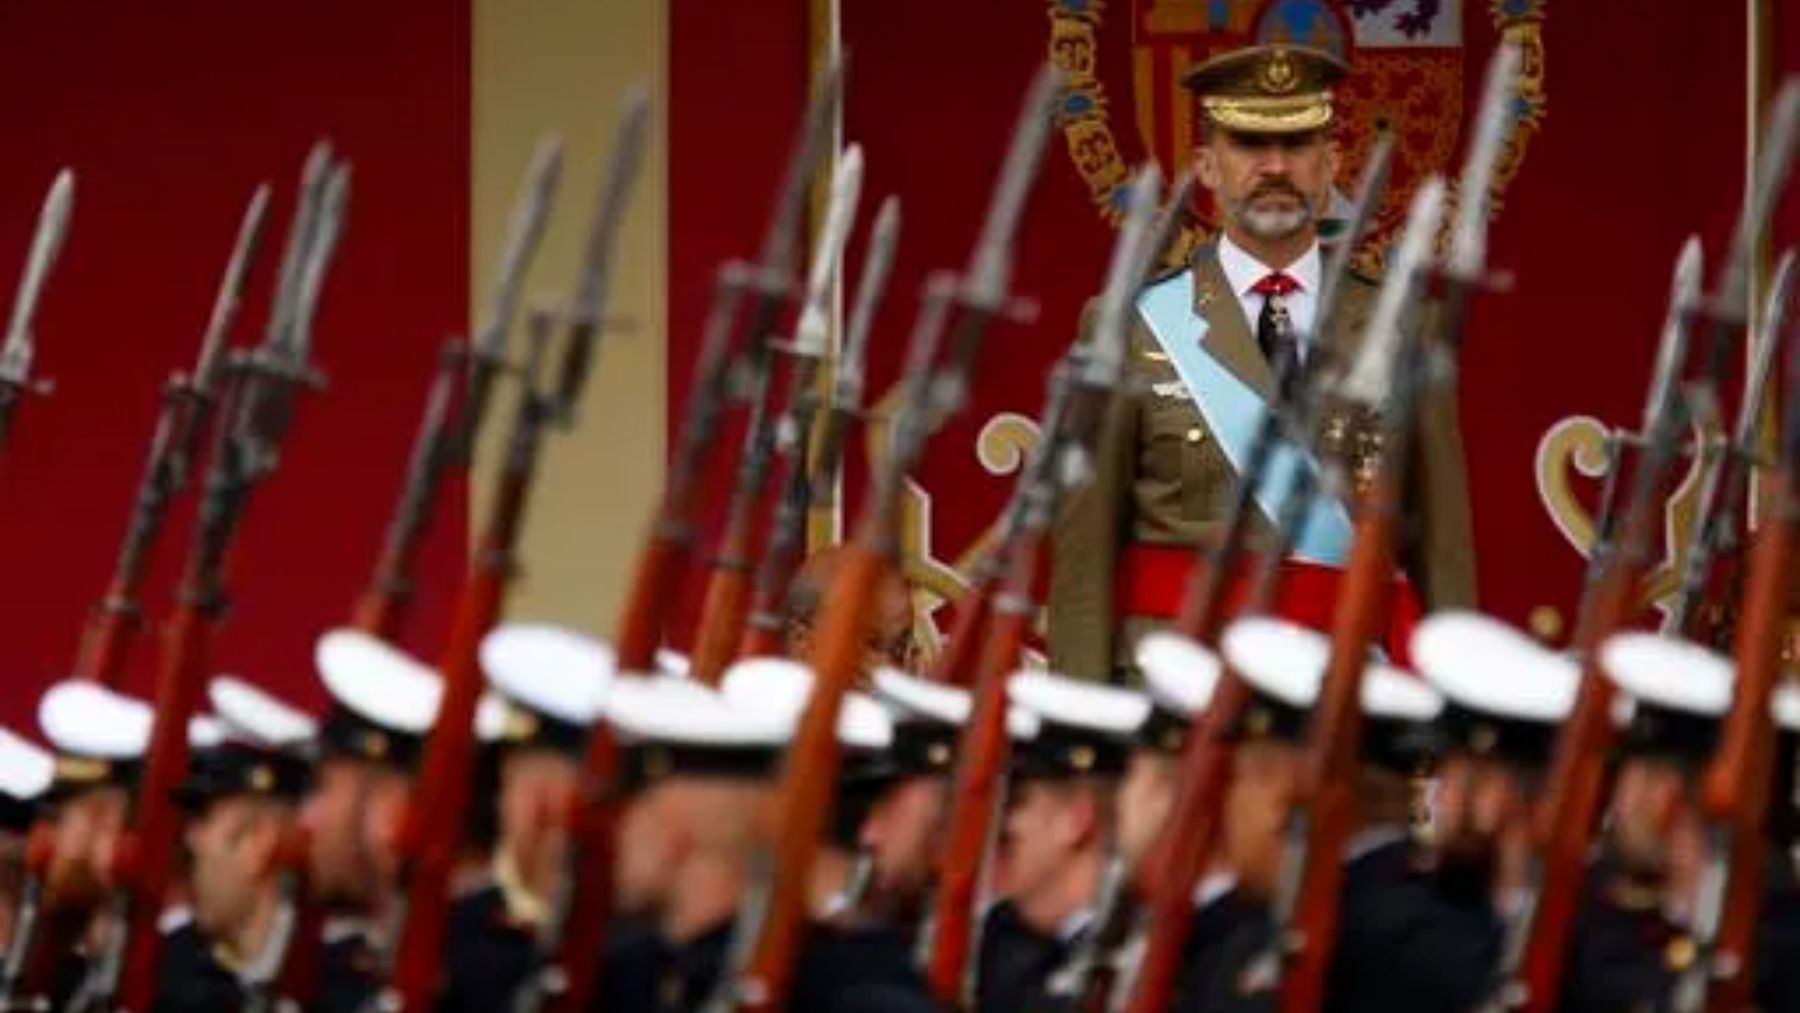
563,65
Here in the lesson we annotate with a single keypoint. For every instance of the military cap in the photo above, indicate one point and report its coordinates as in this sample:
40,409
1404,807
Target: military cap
1071,728
99,735
383,701
256,716
1284,665
547,686
1268,89
25,774
1505,694
253,744
928,720
234,767
1180,675
671,727
779,689
1675,692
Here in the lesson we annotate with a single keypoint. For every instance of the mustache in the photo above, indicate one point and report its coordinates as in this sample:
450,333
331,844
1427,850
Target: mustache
1276,188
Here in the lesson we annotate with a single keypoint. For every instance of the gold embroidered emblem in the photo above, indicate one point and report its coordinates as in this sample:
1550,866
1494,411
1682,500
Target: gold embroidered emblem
1082,757
1278,77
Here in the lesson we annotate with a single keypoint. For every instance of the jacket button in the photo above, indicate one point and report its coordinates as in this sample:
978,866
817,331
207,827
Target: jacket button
1194,435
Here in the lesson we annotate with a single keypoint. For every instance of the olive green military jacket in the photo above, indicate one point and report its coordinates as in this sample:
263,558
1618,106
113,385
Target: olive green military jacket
1160,478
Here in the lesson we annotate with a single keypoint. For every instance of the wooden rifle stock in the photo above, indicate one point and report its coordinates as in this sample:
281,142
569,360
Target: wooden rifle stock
1734,788
154,833
974,610
809,774
1576,785
439,460
1329,774
980,772
432,836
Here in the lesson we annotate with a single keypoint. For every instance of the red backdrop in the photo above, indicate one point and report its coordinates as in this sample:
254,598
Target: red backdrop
170,115
1642,141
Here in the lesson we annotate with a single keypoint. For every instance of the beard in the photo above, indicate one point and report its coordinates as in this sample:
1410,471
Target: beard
1272,224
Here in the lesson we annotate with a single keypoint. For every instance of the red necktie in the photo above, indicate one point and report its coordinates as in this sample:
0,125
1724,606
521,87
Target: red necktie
1277,284
1273,331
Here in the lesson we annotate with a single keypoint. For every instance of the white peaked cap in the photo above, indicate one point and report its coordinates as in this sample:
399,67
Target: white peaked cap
1786,706
781,688
672,662
670,709
1060,700
491,717
207,732
84,718
1022,725
379,682
1179,672
558,673
1486,666
916,697
1287,661
1668,672
259,717
25,770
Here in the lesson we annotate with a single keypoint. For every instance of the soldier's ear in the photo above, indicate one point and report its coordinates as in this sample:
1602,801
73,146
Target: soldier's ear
1206,166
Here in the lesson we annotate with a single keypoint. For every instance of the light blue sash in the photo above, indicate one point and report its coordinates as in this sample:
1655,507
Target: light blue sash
1234,412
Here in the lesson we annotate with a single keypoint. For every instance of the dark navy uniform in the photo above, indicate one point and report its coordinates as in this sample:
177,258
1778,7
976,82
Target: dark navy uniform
1405,942
1015,962
191,976
348,973
490,953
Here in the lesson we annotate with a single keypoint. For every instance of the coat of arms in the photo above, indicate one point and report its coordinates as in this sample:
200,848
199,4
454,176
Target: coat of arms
1413,62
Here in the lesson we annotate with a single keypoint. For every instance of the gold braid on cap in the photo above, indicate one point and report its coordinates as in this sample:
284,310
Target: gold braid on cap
1270,115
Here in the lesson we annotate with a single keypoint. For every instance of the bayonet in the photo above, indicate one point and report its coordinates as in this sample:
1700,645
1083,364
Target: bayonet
313,178
524,233
982,292
1494,118
46,242
1371,377
596,270
811,333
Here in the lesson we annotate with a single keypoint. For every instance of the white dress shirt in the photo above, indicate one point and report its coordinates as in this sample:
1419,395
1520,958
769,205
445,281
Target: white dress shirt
1243,272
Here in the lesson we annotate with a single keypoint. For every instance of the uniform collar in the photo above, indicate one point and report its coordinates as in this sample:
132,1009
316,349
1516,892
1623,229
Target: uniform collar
1212,887
1243,270
523,907
1366,842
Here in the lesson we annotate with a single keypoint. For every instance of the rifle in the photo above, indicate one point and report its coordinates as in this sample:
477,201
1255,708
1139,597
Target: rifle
188,400
1081,391
445,442
1325,810
728,585
765,631
1179,854
432,834
1320,825
262,386
567,975
1576,785
1716,517
762,979
16,354
440,456
1735,784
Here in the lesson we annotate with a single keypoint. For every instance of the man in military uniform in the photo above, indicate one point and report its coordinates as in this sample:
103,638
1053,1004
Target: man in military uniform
1203,353
1070,743
383,702
242,794
25,773
546,686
